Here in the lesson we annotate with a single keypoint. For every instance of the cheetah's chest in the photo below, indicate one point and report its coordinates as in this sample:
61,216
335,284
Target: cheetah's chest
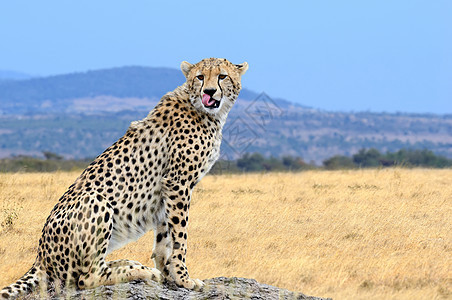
213,157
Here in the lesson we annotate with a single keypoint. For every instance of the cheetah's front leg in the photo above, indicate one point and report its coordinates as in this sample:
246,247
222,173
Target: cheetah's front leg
171,240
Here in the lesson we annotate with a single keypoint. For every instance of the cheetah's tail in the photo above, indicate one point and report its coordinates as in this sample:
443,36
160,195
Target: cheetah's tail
24,285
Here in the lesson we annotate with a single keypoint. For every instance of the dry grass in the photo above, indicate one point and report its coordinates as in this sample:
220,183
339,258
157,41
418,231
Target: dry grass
372,234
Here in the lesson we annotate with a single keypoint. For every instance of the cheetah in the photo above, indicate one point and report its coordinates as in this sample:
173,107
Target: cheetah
143,181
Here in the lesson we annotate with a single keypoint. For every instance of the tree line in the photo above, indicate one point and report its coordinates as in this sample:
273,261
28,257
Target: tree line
370,158
255,162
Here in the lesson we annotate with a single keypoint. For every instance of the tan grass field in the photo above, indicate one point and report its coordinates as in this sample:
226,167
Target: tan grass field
363,234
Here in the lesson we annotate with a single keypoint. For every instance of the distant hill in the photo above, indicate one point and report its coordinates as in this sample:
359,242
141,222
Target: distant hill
54,93
79,115
12,75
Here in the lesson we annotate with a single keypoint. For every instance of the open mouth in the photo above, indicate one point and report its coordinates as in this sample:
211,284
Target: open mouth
209,102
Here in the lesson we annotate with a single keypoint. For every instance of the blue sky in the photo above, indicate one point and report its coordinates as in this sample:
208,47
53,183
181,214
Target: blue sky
334,55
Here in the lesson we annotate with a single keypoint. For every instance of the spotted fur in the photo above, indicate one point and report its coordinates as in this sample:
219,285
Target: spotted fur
143,181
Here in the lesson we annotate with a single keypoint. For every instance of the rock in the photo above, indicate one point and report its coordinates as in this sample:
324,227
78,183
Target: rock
215,288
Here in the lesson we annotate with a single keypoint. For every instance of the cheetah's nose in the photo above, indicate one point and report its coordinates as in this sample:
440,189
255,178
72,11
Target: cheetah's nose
210,92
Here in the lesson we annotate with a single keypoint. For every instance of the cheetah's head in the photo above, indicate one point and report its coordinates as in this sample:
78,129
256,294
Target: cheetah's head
213,84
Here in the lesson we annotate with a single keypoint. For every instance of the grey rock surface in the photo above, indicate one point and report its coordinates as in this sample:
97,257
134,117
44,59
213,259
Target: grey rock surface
215,288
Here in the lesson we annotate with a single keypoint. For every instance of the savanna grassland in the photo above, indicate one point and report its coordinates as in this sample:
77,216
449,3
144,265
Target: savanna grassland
361,234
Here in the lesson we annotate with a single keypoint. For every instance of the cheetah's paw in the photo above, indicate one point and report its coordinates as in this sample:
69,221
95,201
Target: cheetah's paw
155,275
193,284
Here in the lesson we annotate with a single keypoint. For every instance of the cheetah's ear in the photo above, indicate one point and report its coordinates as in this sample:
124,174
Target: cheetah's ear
242,68
185,67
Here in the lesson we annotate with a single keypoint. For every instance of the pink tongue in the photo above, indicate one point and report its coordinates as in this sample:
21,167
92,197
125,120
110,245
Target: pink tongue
207,101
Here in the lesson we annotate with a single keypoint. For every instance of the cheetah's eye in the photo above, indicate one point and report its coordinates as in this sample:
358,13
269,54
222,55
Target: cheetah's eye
222,76
200,77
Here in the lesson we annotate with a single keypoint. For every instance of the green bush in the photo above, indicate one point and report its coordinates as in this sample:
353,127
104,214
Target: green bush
339,162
